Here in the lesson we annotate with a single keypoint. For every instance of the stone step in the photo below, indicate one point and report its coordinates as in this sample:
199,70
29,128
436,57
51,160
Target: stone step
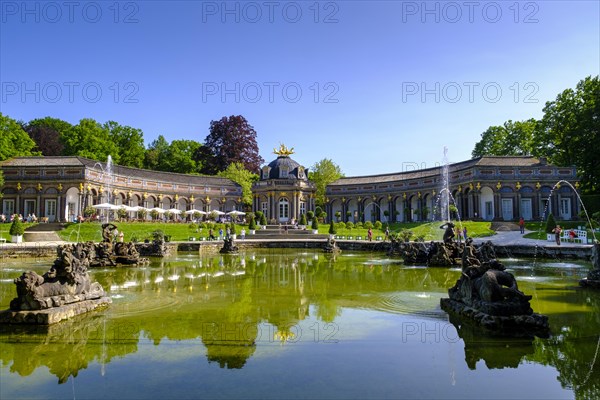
499,226
31,236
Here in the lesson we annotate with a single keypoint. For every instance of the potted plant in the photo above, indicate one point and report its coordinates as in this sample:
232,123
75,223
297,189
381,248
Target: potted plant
348,215
263,221
141,214
338,215
16,230
232,230
252,225
310,216
302,224
332,230
315,226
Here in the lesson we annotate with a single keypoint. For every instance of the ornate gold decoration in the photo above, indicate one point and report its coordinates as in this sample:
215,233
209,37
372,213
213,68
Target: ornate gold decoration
80,187
176,197
404,196
326,199
498,185
538,186
419,195
518,186
359,199
459,188
478,186
389,197
192,198
282,193
283,151
145,196
101,190
576,185
129,194
343,199
89,187
207,199
60,187
557,186
115,192
39,187
433,192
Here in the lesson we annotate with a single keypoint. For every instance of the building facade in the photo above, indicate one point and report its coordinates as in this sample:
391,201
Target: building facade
486,188
60,188
283,192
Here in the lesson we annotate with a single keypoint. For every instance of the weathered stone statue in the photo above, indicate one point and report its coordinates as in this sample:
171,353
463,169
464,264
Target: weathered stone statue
228,246
331,246
449,232
490,296
593,277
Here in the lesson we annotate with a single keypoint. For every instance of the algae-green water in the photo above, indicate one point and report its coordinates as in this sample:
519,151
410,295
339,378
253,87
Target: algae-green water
282,324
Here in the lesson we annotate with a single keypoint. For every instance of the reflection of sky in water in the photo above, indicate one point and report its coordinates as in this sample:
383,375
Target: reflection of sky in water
357,326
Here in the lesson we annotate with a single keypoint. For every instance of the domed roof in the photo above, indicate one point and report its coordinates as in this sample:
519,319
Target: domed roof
283,167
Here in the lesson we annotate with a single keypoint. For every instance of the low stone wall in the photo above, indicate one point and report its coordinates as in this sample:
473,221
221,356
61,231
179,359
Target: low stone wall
545,252
283,244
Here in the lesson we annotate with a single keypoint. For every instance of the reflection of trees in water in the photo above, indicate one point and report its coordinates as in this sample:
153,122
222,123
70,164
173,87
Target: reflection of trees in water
574,347
66,348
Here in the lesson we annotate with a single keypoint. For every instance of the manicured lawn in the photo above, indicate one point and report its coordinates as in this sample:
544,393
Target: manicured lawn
539,229
429,231
139,231
5,228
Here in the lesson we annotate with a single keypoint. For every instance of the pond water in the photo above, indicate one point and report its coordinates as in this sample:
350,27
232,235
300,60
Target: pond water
287,324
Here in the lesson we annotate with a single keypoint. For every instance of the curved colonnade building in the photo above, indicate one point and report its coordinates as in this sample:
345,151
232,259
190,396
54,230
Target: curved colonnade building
486,188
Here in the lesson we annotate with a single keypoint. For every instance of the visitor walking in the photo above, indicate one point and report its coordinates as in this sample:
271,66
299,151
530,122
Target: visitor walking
220,233
557,231
465,234
243,234
370,234
522,225
387,233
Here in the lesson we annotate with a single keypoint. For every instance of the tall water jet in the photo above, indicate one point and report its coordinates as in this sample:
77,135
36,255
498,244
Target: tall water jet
445,192
108,178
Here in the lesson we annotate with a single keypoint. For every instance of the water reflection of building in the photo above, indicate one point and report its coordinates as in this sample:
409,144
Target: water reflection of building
489,188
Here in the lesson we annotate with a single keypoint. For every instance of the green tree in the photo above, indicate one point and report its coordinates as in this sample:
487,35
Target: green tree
47,133
550,223
14,141
90,139
156,154
130,143
332,228
322,174
180,157
240,175
510,139
569,132
231,139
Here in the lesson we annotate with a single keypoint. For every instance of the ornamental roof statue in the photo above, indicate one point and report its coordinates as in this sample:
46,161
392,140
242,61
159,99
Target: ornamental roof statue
283,151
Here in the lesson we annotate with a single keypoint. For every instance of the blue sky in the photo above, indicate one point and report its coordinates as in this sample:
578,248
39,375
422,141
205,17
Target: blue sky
378,87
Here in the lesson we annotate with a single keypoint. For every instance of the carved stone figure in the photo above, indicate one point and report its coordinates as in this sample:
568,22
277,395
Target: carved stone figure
66,282
449,232
593,277
331,246
228,246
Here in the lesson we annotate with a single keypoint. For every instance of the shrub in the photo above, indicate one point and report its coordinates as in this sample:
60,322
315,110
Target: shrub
259,215
405,234
121,213
202,225
153,214
89,211
338,214
263,220
315,224
368,225
310,215
323,216
250,215
158,235
17,228
341,225
193,227
251,223
377,225
134,238
302,220
142,214
318,212
197,215
349,225
232,228
348,214
332,228
550,223
359,225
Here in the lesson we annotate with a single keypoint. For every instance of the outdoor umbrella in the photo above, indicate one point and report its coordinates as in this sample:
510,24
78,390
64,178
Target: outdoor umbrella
174,211
105,206
194,211
236,213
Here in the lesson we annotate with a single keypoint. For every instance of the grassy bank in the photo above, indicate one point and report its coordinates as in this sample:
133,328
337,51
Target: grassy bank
139,231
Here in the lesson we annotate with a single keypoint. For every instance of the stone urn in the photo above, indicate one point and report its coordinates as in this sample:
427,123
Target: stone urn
252,231
16,239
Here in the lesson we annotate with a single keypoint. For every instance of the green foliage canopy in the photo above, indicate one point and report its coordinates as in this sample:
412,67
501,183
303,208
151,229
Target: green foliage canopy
14,141
322,174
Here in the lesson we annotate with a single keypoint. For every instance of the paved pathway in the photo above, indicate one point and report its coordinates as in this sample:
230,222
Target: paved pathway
508,238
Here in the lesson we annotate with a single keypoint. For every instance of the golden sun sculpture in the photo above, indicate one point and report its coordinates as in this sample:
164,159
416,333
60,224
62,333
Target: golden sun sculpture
283,151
